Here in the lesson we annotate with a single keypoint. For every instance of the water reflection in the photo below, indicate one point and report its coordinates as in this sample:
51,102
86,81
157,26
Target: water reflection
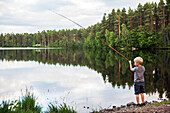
83,78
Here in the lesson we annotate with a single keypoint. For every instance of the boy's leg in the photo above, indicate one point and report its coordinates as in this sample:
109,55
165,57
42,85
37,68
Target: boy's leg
137,99
142,97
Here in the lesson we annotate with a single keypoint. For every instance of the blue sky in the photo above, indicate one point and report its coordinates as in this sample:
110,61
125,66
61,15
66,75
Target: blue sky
20,16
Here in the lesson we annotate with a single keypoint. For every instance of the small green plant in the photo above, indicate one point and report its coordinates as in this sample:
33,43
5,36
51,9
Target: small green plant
95,111
28,103
5,107
53,109
60,109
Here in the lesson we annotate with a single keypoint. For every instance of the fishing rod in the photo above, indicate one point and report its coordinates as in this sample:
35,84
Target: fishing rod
90,33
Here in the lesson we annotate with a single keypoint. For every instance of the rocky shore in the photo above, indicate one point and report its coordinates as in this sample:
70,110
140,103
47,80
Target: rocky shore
149,107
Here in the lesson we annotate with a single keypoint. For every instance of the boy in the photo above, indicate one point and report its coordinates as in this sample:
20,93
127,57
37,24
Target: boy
139,83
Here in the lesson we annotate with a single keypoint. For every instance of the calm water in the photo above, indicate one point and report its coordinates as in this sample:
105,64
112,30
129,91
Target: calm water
81,78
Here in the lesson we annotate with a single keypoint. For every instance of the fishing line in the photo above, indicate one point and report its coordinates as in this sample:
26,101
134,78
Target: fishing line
90,33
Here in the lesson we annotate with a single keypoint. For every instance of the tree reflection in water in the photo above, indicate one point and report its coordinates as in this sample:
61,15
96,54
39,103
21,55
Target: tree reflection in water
111,66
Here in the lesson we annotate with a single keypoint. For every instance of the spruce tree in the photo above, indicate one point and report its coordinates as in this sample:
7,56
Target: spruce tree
140,13
129,19
161,14
124,15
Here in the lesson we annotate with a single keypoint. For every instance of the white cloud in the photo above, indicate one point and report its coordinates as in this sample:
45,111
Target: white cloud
34,15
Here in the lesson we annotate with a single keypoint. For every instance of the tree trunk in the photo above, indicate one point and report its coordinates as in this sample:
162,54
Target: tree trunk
141,18
151,22
163,17
119,27
155,23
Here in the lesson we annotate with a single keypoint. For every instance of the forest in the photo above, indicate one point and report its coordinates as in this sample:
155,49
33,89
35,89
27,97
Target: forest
147,26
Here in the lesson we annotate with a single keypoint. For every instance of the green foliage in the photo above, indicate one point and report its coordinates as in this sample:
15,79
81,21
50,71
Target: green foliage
26,105
90,42
62,108
5,107
95,111
164,102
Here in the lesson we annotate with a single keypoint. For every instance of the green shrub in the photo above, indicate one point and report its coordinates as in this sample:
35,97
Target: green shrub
60,109
5,107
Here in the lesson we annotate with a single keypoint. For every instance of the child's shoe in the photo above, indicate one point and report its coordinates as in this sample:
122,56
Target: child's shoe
143,104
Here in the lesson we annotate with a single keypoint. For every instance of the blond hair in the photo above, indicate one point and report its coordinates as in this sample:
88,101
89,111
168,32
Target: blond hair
138,60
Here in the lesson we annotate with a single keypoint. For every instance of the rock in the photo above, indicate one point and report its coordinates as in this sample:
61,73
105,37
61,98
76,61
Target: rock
118,108
130,104
147,103
155,101
114,107
123,106
164,100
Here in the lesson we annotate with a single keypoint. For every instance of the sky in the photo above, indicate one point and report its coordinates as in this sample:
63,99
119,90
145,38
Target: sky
31,16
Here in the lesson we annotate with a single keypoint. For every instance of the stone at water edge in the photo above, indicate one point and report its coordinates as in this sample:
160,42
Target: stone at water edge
131,104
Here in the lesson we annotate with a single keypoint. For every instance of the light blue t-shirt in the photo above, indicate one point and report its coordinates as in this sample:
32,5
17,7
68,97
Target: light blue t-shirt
139,74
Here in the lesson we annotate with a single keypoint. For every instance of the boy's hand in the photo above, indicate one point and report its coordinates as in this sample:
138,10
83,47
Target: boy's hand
130,65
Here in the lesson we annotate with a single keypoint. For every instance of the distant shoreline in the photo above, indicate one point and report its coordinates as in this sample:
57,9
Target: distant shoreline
24,48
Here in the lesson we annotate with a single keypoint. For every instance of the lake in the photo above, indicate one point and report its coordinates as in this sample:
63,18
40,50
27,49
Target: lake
85,79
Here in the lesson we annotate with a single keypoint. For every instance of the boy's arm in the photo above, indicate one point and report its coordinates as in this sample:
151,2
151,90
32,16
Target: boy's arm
130,65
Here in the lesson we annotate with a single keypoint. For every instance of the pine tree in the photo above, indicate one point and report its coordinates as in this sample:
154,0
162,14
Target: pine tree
119,16
129,19
167,12
109,21
147,17
161,14
116,25
48,38
104,24
113,19
135,19
43,34
124,35
123,19
24,39
155,10
39,37
1,40
140,12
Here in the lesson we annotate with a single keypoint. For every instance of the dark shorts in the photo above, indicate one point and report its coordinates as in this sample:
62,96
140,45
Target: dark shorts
139,87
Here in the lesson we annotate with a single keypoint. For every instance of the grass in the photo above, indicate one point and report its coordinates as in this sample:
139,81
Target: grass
95,111
5,107
28,104
60,109
164,102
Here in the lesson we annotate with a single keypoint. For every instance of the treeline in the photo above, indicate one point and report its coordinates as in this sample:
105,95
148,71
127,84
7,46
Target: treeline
49,38
147,26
